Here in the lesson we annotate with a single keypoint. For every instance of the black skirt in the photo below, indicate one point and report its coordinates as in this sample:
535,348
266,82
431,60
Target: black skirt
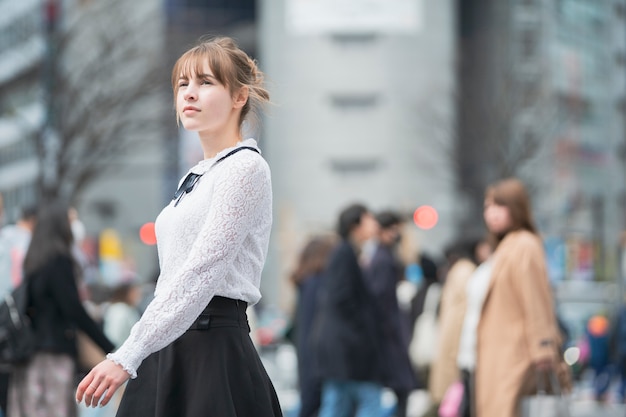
213,369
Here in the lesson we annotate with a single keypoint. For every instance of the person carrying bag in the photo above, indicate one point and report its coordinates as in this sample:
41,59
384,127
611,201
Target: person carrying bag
548,401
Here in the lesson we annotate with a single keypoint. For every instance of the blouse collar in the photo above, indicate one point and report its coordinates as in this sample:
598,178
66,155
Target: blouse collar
206,164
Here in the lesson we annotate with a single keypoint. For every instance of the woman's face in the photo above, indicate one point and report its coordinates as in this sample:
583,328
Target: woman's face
497,217
203,104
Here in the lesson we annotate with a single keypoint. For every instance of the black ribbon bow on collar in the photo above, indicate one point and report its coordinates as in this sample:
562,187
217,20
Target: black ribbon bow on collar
191,179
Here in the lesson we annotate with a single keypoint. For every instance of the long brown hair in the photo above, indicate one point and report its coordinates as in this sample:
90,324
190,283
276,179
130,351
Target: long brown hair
313,258
511,193
51,237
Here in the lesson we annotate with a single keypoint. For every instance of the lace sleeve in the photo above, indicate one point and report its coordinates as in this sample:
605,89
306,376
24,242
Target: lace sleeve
240,190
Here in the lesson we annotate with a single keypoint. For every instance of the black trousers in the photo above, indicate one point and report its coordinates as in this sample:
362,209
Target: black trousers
213,369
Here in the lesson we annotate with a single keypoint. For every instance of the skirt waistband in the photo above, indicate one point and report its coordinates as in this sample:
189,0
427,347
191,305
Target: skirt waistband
222,312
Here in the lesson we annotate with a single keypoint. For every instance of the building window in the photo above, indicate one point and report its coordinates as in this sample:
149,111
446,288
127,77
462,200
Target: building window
354,38
15,152
19,30
353,101
354,166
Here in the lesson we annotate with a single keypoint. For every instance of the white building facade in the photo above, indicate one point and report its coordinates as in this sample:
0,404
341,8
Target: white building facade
363,108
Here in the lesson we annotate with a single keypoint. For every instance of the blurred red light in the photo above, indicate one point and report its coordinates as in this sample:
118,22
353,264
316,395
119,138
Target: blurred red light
147,234
425,217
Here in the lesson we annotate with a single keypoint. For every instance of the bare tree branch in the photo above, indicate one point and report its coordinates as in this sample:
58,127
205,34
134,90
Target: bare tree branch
106,95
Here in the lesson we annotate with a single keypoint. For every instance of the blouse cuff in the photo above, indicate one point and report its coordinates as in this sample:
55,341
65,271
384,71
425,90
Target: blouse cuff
131,371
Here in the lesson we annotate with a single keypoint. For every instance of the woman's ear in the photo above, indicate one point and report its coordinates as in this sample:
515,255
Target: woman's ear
241,97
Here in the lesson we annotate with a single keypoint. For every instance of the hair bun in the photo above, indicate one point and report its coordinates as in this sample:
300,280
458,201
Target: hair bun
256,76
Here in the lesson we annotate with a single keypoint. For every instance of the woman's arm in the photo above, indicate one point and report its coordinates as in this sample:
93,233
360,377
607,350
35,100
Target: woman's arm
65,292
531,280
240,190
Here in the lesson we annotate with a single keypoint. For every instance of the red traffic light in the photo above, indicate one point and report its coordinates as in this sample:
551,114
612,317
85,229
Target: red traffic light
147,234
425,217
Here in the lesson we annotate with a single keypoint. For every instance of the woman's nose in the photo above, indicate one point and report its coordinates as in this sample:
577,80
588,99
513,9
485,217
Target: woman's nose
190,93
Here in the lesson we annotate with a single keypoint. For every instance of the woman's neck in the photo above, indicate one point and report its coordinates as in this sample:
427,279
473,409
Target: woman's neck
213,143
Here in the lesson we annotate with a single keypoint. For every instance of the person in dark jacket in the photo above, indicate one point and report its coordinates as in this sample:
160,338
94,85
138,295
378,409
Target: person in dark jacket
419,304
383,274
347,333
44,386
431,276
307,277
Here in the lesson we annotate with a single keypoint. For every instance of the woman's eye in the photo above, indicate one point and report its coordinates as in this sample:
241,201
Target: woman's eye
206,82
182,84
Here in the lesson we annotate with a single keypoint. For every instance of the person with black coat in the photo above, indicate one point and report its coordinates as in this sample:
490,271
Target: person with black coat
306,277
346,333
44,386
383,273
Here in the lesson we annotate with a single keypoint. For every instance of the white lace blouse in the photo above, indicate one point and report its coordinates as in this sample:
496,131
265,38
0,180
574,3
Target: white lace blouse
214,242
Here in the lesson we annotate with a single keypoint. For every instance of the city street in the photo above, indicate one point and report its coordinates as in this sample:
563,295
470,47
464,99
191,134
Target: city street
280,362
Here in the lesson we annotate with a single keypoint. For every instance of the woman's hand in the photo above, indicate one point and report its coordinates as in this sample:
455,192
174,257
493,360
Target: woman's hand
104,379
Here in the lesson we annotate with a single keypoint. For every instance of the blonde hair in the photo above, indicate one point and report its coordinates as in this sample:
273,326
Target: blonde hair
231,66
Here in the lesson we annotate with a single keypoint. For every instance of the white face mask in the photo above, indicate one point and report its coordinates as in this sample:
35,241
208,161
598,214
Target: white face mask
78,230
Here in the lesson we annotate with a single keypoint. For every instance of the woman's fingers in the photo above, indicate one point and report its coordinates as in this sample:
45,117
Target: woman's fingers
101,383
95,399
108,395
82,387
90,393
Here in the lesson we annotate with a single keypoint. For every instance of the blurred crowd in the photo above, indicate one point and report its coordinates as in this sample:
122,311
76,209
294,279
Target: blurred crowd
476,328
76,320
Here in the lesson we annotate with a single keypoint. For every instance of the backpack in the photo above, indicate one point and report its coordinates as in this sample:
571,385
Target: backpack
18,341
423,346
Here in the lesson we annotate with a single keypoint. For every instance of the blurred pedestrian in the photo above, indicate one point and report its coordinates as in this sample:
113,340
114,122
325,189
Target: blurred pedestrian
14,241
190,354
383,274
307,277
465,256
509,335
44,386
430,276
90,274
122,312
618,347
597,332
424,319
346,331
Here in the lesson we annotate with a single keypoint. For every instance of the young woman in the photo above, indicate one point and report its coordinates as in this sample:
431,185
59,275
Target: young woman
190,354
509,333
44,386
307,277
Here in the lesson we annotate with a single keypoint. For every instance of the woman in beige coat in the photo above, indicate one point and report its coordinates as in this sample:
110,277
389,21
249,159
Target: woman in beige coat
452,309
517,335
